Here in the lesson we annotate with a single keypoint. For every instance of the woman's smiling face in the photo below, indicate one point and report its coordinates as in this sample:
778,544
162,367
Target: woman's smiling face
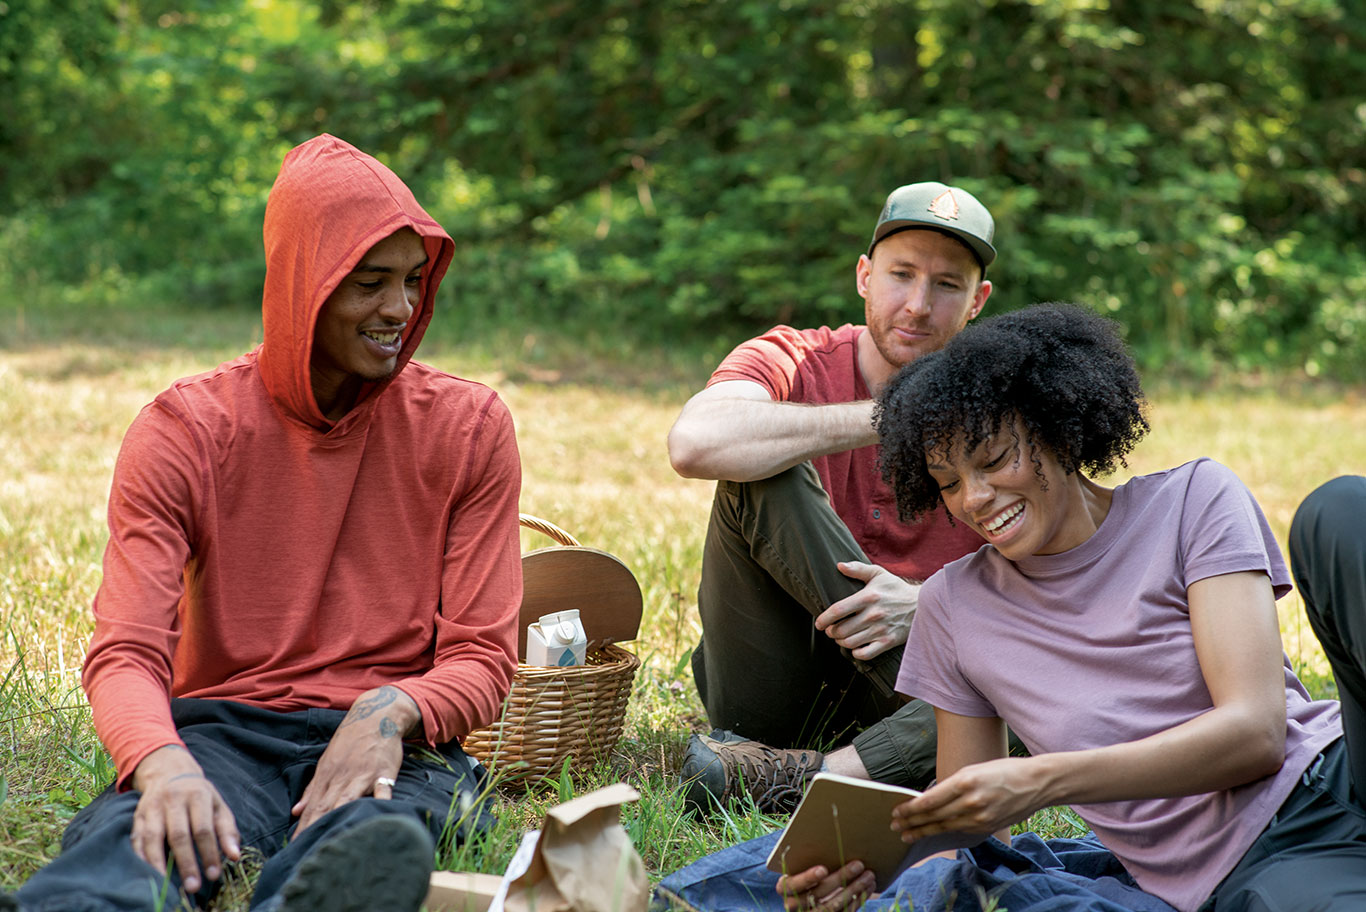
1013,493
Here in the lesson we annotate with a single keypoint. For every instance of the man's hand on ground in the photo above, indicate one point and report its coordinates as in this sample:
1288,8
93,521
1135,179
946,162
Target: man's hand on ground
181,808
874,619
365,751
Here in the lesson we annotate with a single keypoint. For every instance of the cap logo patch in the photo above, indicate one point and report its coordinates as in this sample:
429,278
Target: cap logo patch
945,206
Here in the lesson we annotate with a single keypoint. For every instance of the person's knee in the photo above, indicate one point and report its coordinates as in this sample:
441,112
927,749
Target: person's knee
790,485
802,475
1328,545
1334,511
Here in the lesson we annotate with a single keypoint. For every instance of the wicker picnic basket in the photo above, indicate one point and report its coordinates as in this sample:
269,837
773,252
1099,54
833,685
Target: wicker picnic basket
557,713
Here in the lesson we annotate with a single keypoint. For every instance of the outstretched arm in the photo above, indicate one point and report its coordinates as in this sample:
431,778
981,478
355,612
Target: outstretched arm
1242,738
475,636
734,431
180,817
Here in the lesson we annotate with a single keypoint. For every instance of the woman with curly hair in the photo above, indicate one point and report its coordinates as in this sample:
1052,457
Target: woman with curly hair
1127,634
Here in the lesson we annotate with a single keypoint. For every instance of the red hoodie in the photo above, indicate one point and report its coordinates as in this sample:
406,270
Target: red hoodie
260,553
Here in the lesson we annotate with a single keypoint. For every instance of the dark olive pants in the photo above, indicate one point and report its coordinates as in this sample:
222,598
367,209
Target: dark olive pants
762,668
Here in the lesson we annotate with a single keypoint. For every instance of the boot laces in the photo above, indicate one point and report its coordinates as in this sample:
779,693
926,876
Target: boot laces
773,778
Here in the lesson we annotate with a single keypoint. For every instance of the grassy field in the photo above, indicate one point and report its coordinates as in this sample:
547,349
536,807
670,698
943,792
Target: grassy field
591,425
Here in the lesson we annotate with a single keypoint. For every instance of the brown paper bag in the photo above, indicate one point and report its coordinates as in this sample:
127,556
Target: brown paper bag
581,860
584,860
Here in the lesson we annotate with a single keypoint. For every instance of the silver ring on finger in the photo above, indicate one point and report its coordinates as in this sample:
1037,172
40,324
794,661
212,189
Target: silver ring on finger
385,780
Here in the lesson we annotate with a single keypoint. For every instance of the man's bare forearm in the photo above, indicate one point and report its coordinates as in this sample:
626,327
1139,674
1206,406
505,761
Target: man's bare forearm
398,713
745,439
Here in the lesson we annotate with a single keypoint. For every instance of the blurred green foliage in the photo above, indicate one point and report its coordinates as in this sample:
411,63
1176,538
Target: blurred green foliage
705,168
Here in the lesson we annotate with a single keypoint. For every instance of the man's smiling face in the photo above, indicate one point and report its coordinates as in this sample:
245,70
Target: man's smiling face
361,326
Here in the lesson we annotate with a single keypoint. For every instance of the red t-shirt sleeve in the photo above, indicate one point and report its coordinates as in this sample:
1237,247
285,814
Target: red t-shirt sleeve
771,360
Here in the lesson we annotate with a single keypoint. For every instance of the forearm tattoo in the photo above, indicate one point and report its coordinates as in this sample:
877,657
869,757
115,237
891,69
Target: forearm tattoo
367,707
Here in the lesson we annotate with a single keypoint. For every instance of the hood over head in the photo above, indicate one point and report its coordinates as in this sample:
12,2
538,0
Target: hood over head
330,204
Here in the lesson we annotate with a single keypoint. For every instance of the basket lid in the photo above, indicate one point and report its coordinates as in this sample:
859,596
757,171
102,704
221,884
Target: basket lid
599,585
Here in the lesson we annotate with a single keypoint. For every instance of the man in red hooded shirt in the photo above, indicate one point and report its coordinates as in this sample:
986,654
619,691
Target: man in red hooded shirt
311,584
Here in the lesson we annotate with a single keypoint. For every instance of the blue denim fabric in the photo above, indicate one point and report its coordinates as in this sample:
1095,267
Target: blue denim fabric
1030,875
260,762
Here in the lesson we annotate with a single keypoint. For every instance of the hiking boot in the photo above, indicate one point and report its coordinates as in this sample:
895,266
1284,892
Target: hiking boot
724,766
381,865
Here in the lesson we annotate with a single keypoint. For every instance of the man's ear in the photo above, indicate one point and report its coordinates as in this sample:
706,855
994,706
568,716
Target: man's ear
862,272
980,299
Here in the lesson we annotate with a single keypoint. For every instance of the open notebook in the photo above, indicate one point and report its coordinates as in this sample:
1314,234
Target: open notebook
841,819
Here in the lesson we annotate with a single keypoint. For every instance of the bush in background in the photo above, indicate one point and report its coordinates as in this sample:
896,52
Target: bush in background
706,168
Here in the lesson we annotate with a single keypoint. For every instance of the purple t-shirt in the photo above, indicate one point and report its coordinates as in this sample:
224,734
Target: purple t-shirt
1093,647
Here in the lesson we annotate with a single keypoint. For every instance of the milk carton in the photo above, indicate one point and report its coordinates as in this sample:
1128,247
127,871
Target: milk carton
556,639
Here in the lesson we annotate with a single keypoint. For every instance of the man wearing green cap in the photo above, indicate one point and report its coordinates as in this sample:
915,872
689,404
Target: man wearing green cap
809,580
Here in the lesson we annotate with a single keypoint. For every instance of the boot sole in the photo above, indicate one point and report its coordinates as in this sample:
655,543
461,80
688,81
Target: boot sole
381,865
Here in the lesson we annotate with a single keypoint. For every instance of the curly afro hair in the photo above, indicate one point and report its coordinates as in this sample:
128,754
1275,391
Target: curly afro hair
1062,370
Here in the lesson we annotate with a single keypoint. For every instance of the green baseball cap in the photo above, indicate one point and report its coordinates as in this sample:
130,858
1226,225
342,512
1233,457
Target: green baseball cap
931,204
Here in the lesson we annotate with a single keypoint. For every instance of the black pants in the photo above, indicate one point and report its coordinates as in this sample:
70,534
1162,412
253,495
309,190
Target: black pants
260,762
1312,856
1328,559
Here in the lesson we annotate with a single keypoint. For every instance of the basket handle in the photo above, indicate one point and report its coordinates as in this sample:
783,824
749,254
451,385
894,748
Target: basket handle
546,527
